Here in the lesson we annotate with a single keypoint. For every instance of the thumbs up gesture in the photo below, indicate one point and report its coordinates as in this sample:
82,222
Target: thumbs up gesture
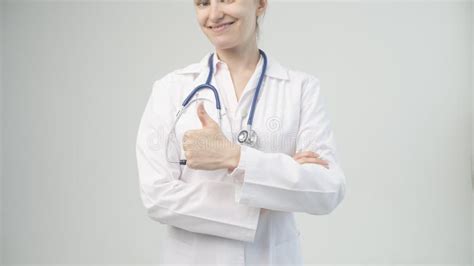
208,148
206,120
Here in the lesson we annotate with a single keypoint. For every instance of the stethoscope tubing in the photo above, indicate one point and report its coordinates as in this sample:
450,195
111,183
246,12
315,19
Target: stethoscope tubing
248,132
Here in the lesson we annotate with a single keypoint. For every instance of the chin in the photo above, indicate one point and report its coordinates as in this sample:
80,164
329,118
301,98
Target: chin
223,47
223,44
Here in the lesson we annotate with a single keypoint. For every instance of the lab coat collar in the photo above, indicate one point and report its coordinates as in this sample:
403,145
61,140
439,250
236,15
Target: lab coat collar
274,68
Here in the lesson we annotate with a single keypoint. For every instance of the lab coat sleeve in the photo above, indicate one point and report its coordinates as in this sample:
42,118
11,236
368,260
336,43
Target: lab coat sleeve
276,181
206,207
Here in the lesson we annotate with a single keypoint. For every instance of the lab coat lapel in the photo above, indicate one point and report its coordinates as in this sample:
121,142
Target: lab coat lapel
202,71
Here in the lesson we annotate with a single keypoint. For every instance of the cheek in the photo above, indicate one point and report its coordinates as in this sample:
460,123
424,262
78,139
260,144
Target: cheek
201,22
247,21
246,27
200,18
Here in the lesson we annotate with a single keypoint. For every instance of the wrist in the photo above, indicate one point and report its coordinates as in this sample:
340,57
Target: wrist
234,159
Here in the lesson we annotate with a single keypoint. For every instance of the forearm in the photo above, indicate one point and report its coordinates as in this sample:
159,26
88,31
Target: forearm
205,207
276,181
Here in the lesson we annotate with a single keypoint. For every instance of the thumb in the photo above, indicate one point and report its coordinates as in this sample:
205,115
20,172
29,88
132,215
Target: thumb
206,120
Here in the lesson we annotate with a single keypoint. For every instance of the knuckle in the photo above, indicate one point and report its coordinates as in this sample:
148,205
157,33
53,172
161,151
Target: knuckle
192,164
188,134
187,153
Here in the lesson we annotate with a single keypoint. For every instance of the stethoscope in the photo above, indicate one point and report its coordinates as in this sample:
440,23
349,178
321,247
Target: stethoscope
246,136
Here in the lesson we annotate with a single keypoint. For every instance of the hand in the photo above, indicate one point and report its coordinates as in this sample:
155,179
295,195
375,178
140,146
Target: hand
310,157
208,148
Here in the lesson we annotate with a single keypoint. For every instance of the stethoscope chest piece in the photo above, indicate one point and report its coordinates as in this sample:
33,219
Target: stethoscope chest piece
248,137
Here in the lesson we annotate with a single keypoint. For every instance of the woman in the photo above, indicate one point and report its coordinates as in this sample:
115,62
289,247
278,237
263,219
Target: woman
233,202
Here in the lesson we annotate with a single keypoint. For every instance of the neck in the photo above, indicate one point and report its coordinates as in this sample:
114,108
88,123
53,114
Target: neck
240,59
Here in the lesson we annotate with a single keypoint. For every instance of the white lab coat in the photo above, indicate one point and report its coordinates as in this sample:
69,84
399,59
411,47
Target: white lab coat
244,217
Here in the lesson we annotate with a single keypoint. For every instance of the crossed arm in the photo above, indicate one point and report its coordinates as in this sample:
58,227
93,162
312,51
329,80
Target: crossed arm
301,183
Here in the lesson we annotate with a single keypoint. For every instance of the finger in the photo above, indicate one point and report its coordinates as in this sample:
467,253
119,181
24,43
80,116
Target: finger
308,154
206,120
187,134
321,161
312,160
184,139
305,154
186,146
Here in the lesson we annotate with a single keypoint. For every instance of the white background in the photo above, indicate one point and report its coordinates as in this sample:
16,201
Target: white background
397,76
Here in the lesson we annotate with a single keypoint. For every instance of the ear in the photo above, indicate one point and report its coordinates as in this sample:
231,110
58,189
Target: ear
261,7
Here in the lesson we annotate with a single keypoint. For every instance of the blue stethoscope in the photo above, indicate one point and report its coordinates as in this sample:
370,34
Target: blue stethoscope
246,136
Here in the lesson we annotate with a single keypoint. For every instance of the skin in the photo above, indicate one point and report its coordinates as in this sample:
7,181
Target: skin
310,157
237,46
208,148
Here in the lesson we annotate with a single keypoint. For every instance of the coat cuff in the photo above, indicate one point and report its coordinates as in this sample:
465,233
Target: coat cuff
238,173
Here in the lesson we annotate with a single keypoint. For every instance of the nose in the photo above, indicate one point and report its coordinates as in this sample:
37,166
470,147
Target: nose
215,13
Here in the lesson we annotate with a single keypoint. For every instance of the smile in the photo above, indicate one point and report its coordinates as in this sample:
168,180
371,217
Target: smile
221,27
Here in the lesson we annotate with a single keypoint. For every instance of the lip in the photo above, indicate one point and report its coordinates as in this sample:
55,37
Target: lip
218,28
